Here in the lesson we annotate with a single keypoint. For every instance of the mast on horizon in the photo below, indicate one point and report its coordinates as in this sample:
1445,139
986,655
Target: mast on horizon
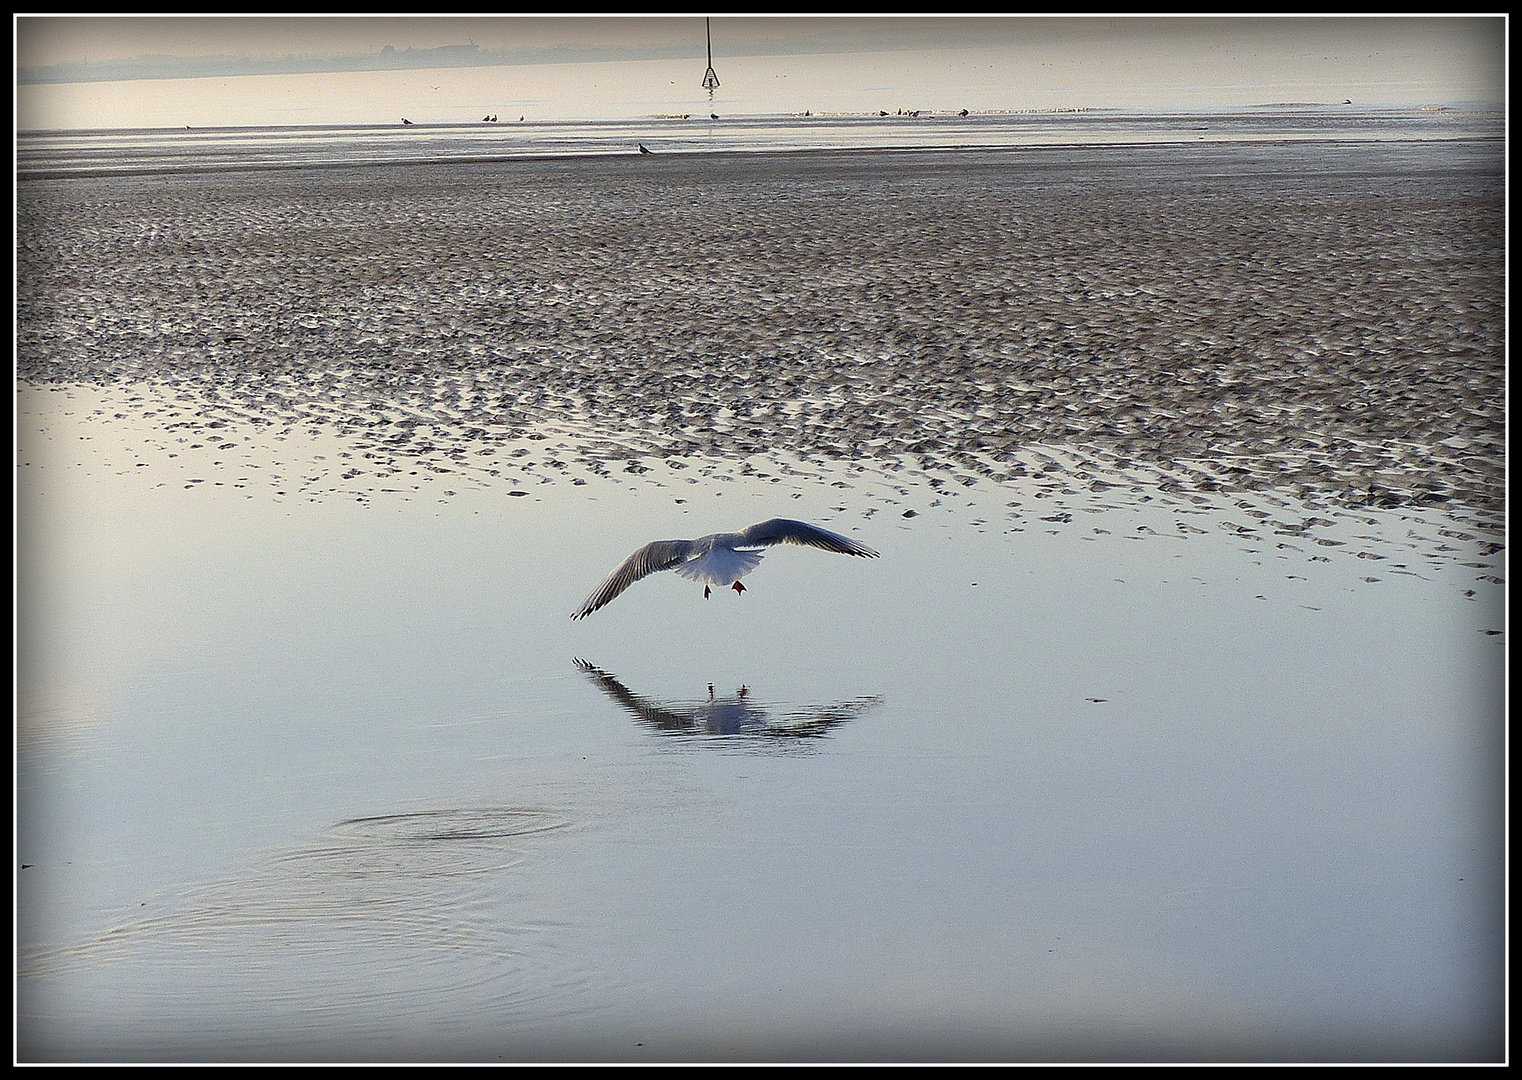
710,79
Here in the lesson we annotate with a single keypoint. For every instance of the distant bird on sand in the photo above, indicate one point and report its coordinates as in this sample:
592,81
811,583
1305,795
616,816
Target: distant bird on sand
486,119
643,149
719,559
713,116
962,113
406,121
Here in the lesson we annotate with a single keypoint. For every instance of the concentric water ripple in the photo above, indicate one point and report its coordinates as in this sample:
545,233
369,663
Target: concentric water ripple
420,880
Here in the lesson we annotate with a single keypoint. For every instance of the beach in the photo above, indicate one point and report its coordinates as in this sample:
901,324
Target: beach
1167,727
1326,321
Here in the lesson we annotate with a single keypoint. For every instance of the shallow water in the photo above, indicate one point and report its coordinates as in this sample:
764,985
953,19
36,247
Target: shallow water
60,153
320,777
1168,726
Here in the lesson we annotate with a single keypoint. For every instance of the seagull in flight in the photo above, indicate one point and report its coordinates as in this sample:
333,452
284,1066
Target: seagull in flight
719,559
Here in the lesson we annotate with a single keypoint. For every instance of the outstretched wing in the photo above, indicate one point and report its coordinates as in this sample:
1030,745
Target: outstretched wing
787,531
650,712
661,555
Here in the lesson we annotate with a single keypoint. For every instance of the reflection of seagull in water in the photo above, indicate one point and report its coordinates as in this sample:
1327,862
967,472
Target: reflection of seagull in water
717,559
734,715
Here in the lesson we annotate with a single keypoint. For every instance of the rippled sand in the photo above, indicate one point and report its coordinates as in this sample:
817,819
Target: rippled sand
1324,321
1296,347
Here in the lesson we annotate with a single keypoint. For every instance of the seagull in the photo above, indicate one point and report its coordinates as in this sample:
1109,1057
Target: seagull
719,559
736,714
643,149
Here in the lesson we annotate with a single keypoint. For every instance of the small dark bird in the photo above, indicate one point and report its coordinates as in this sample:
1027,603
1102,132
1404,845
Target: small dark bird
881,113
643,149
493,118
486,119
406,121
713,116
962,113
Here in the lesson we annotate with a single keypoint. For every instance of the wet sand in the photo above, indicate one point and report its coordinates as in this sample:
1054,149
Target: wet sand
1322,320
1169,719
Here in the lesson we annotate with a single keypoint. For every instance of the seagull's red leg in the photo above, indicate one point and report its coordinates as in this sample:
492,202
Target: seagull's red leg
737,587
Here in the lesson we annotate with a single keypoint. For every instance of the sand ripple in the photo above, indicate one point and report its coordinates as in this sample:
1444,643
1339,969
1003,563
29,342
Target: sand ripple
1325,322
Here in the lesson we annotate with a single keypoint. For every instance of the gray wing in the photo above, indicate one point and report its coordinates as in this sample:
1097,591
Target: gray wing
661,555
787,531
650,712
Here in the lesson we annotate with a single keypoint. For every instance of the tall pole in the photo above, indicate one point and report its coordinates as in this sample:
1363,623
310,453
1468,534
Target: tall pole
710,79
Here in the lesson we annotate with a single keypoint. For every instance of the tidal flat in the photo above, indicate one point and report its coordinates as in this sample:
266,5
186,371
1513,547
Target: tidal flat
1169,726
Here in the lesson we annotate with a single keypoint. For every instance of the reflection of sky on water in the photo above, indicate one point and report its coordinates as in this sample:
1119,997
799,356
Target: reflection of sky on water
725,719
1276,831
230,145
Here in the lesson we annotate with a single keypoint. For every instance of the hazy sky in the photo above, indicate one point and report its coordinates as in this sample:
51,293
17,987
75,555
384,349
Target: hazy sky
125,72
47,40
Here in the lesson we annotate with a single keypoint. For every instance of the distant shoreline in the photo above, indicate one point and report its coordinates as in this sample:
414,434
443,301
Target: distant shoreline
59,154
